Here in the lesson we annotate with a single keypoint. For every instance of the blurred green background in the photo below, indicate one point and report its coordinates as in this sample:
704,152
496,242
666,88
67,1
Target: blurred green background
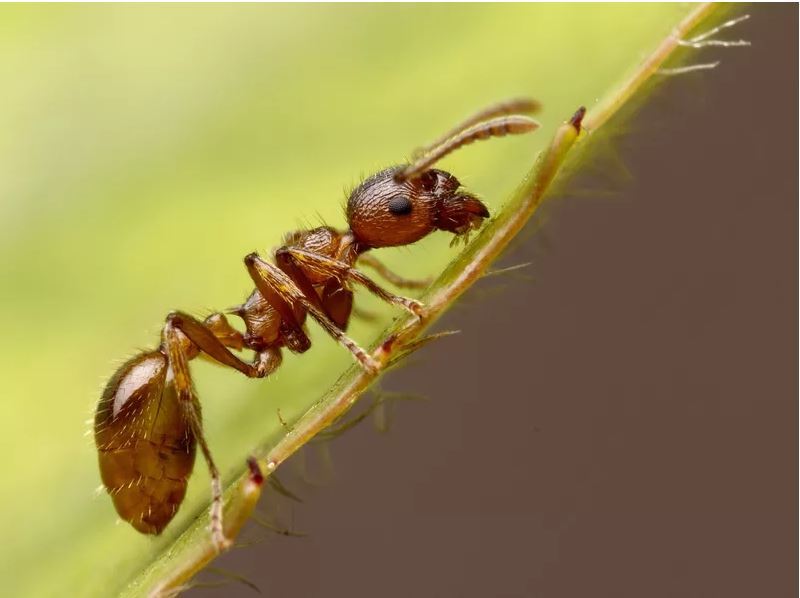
146,149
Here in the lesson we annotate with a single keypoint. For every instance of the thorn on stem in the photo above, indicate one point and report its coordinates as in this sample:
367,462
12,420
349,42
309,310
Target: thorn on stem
682,70
255,471
577,118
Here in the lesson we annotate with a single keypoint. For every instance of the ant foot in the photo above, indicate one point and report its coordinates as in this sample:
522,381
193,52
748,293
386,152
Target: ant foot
220,540
369,363
415,307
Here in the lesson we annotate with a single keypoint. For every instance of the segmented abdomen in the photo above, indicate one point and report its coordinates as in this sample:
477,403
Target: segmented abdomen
145,447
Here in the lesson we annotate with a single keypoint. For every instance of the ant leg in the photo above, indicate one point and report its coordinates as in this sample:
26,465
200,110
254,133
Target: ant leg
496,127
269,360
208,343
271,280
341,270
191,409
280,296
227,334
513,106
395,279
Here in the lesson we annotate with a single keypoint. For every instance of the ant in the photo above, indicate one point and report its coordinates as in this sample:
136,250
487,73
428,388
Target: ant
148,421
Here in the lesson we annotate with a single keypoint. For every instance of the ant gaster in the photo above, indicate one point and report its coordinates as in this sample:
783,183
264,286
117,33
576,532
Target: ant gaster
148,420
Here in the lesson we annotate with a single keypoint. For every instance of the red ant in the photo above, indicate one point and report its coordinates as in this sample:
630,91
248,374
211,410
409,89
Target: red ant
148,420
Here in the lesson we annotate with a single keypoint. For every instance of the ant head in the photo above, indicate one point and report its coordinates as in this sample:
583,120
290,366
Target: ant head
384,211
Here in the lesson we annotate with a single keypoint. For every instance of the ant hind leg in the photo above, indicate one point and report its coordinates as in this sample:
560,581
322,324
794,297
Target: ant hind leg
218,324
191,409
206,338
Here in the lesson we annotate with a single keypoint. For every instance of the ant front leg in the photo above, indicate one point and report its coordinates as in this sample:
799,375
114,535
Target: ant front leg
303,258
191,409
273,283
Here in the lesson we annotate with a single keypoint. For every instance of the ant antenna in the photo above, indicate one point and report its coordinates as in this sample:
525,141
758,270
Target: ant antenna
496,127
512,106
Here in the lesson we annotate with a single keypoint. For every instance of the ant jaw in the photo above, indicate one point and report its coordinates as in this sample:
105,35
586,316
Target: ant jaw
474,206
461,214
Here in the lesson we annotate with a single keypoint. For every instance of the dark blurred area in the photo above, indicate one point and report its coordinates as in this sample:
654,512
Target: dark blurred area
617,419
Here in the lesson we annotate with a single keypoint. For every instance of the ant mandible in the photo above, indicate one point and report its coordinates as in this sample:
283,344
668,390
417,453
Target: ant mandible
148,421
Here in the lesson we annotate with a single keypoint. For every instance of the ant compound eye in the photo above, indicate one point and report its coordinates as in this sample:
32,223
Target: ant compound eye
400,205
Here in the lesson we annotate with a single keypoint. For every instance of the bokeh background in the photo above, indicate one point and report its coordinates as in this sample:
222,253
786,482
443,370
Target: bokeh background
616,419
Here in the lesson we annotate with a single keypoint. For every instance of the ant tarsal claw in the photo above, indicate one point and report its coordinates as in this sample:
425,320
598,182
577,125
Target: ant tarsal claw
415,307
221,541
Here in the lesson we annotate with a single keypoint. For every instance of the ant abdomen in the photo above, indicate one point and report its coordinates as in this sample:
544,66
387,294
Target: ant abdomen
146,449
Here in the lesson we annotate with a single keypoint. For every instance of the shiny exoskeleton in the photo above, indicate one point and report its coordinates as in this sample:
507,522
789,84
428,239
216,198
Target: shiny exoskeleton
148,422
